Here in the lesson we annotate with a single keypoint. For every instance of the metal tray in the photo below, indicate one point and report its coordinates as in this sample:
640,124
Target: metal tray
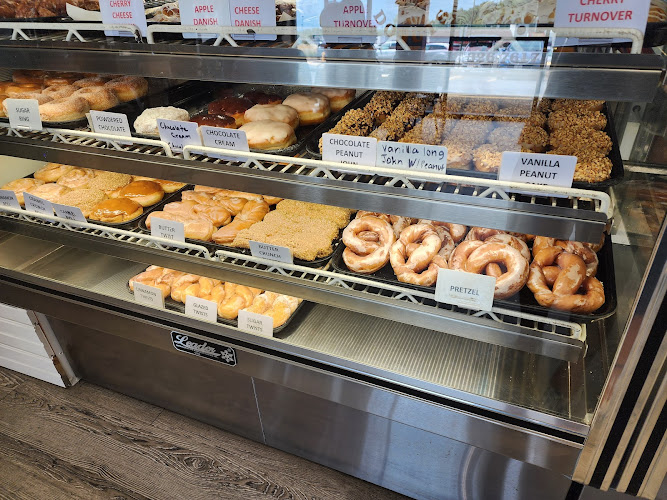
523,301
213,247
174,305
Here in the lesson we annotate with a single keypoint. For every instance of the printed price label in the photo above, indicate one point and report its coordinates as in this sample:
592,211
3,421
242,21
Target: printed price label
225,138
169,229
271,252
178,134
104,122
38,205
252,14
602,13
349,149
462,289
8,199
69,213
408,156
123,12
258,324
204,13
23,114
148,295
205,310
537,168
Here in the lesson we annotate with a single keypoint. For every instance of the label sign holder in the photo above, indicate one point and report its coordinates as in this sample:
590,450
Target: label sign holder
408,156
106,122
38,205
23,114
124,12
537,168
201,309
258,324
224,138
69,213
148,295
8,199
469,290
204,13
349,149
178,134
168,229
252,14
271,252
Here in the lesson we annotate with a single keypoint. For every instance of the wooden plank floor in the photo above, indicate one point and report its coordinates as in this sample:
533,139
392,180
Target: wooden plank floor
87,442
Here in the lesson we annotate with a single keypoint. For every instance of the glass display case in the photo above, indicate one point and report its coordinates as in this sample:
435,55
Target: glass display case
359,346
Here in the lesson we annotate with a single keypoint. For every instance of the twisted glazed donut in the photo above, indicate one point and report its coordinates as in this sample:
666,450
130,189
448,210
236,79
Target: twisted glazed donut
399,223
446,249
364,213
414,265
589,256
361,255
512,241
458,259
482,233
511,281
457,231
542,242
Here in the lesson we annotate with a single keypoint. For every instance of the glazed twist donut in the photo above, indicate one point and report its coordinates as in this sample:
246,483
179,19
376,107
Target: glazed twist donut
364,256
516,274
542,242
482,233
446,249
512,241
400,223
589,256
414,265
456,231
364,213
458,259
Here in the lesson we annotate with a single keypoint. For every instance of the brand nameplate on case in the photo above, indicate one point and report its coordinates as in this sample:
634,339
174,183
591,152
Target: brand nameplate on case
474,291
252,14
23,114
148,295
123,12
37,204
204,348
69,213
225,138
255,323
349,149
202,309
8,199
271,252
407,156
178,134
537,168
169,229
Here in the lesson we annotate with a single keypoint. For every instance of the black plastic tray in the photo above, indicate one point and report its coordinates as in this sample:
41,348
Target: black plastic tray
523,301
213,247
174,305
656,34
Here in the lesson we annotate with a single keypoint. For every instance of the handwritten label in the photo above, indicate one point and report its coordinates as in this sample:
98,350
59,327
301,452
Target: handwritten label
205,310
474,291
69,213
602,14
205,13
148,295
37,204
104,122
252,14
225,138
271,252
8,199
123,12
258,324
168,229
23,114
408,156
537,168
178,134
204,348
349,149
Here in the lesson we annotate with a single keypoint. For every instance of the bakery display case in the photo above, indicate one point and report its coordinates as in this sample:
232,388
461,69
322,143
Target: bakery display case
327,199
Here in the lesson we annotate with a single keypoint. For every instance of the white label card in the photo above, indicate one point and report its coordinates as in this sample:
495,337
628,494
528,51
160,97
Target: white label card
69,213
8,199
148,295
252,14
205,13
23,114
537,168
225,138
602,14
406,156
37,204
271,252
169,229
123,12
105,122
255,323
474,291
202,309
349,149
178,134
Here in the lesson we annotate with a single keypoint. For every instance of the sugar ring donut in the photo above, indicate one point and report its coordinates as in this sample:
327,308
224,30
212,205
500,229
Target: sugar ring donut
512,280
59,91
98,98
364,256
128,88
412,255
64,110
91,81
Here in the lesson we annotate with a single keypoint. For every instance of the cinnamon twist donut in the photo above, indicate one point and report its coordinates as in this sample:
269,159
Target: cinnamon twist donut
413,264
364,256
516,274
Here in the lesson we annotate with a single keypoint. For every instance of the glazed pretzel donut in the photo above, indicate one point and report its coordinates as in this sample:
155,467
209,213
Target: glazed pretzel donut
512,280
580,249
456,231
542,242
457,261
446,249
364,213
400,223
361,255
482,233
414,265
513,241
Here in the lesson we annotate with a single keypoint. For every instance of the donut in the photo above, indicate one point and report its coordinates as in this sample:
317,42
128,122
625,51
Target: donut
363,256
168,186
38,96
513,241
50,191
91,81
269,135
456,231
281,309
413,264
273,112
86,199
99,98
59,91
128,88
313,108
459,156
222,121
146,193
61,79
116,210
6,84
77,178
589,257
19,186
146,122
109,181
35,76
64,110
338,98
459,256
511,281
51,172
482,233
398,223
258,97
23,87
231,106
